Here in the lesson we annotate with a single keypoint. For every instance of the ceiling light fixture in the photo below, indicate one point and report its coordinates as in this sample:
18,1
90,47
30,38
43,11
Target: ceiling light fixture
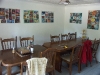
65,2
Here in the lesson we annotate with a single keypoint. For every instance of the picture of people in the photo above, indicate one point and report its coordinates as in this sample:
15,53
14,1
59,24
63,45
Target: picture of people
2,13
47,17
3,21
31,16
8,15
93,19
76,18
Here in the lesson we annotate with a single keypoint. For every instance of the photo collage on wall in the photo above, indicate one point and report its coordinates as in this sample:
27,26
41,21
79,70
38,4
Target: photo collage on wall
9,15
31,16
47,17
76,18
93,19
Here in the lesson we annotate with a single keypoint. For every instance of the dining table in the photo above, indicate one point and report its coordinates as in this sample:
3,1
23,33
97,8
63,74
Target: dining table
61,48
9,59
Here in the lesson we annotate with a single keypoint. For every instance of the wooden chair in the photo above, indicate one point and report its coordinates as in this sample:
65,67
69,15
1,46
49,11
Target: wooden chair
9,43
55,38
50,54
64,37
73,58
34,66
72,36
95,48
25,41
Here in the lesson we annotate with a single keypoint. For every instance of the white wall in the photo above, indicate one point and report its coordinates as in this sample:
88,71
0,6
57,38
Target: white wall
72,27
41,31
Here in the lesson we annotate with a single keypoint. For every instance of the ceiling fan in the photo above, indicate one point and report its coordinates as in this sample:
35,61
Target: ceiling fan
64,2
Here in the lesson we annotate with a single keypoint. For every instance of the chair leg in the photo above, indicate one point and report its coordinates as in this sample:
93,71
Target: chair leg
96,60
79,67
21,69
90,64
0,69
86,64
53,72
70,69
61,65
50,73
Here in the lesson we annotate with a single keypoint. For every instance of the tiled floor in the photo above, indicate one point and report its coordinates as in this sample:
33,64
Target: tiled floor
94,70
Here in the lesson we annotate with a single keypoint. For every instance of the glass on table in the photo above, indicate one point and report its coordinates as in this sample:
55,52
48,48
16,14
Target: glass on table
13,50
59,43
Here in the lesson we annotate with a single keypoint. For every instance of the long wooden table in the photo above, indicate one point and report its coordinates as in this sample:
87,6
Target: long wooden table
10,59
61,49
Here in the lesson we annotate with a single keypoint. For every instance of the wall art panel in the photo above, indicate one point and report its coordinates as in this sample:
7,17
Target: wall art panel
47,17
76,18
31,16
93,19
8,15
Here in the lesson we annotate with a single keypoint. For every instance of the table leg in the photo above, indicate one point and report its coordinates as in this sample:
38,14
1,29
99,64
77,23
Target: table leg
0,69
50,73
8,70
58,62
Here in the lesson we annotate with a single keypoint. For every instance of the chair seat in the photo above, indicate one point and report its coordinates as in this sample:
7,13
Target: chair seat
66,57
14,70
94,51
49,68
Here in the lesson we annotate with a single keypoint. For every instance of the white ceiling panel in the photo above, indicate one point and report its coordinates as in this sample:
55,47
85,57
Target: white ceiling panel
72,2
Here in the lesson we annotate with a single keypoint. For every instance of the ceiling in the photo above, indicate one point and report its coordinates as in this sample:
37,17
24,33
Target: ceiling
72,2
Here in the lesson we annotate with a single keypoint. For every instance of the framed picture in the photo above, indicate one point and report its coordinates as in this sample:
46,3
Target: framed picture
31,16
93,19
47,17
76,18
8,15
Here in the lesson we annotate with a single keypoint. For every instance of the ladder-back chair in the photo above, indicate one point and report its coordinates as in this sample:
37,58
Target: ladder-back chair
25,41
9,43
73,58
55,38
64,37
50,54
72,36
95,48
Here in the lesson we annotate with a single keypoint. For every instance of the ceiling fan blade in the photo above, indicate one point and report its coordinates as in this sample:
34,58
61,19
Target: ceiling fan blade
64,2
67,1
60,1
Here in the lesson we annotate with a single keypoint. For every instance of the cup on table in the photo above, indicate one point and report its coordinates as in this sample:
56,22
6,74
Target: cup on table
32,50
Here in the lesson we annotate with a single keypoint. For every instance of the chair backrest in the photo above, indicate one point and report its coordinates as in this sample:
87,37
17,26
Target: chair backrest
35,66
50,54
55,38
96,44
64,37
76,53
9,43
25,41
72,36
